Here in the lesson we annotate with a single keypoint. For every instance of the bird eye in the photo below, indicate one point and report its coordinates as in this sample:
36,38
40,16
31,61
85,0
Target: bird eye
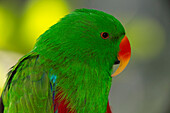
104,35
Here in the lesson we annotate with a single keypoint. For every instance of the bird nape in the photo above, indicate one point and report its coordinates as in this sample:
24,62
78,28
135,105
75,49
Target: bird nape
69,69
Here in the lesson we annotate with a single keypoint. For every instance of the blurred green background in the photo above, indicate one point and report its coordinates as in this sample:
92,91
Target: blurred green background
144,87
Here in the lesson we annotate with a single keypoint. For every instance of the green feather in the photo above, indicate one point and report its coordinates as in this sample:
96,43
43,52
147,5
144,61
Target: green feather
74,51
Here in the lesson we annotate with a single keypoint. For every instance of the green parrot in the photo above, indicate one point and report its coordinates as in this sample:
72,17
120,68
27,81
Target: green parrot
69,70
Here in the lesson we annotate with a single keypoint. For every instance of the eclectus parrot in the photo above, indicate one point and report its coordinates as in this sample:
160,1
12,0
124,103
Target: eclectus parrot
69,69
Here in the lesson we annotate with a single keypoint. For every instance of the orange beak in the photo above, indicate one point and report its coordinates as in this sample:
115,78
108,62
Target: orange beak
123,55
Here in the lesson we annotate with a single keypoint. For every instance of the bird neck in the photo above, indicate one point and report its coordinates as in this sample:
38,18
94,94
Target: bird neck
85,85
85,88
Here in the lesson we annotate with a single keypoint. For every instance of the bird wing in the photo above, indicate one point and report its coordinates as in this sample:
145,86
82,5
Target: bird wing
28,88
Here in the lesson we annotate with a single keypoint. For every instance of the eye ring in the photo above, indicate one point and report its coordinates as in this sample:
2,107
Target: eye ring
104,35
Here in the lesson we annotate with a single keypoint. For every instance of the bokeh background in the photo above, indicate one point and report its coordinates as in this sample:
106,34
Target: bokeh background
144,87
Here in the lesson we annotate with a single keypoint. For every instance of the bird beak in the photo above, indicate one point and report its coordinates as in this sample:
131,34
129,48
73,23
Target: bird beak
123,55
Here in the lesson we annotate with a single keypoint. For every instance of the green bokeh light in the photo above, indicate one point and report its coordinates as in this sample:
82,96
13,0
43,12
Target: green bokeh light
38,17
147,38
6,28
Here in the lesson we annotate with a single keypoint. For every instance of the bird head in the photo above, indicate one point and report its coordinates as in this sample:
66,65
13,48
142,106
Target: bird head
89,36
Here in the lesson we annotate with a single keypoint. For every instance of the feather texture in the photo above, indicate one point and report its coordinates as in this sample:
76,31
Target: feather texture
27,90
69,69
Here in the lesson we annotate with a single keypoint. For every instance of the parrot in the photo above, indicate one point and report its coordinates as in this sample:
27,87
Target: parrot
70,68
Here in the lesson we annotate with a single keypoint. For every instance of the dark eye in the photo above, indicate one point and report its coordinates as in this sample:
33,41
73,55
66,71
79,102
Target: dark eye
104,35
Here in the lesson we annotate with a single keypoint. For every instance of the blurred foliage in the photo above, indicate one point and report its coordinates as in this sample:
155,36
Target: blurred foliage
7,27
19,33
147,37
38,17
